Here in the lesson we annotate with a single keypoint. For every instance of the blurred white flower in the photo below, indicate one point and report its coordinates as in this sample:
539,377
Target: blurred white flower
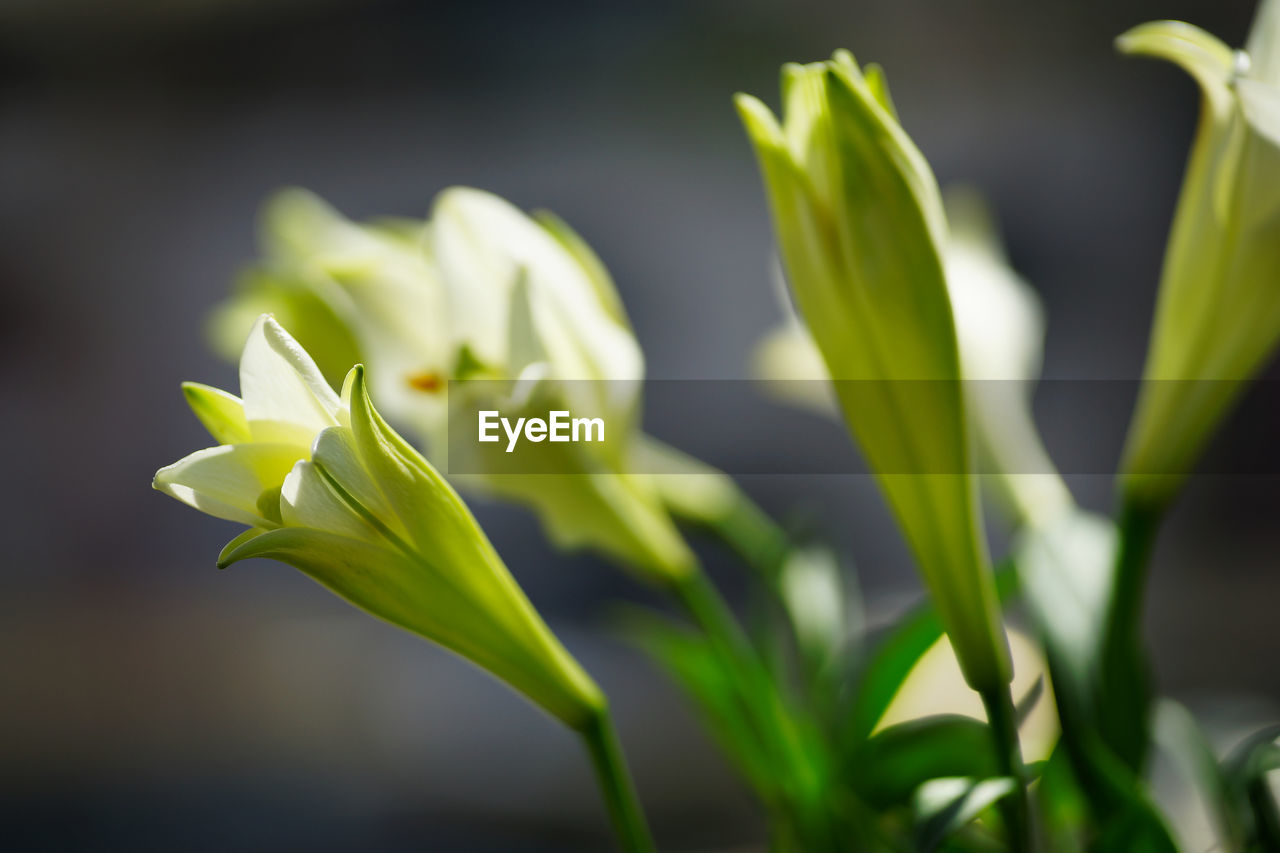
496,310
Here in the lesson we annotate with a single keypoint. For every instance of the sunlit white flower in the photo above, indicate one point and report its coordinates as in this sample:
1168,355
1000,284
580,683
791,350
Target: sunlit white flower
493,309
325,485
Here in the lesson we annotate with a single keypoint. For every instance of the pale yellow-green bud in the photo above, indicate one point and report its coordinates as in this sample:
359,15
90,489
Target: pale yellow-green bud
860,225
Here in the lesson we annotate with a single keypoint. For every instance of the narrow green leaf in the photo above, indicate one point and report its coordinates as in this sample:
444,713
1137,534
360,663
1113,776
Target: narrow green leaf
694,665
896,761
897,654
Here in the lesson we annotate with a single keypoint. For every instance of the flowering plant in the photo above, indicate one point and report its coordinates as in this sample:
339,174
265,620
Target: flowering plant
906,317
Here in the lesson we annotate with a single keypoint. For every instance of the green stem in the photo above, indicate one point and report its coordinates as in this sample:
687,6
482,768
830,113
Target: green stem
762,544
764,547
755,537
1003,719
761,703
1125,675
709,611
615,785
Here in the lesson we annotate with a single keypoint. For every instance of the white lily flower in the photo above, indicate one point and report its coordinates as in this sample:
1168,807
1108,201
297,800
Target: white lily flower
1218,314
482,301
532,301
325,485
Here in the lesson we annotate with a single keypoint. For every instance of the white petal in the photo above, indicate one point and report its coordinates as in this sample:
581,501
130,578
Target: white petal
791,365
285,397
1263,47
335,450
307,500
482,245
999,326
999,320
1261,104
524,346
468,227
229,481
399,312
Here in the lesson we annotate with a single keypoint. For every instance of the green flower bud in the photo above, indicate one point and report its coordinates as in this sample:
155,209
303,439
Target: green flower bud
1217,319
1000,332
860,224
326,486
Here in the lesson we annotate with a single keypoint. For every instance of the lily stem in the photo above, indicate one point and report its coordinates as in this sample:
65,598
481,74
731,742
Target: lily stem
760,542
629,825
1124,671
754,536
1016,809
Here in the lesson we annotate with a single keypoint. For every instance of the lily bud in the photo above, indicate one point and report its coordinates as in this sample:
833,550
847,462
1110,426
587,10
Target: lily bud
325,485
1217,318
1000,332
860,225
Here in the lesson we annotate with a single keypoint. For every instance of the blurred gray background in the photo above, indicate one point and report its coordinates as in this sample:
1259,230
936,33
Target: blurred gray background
150,702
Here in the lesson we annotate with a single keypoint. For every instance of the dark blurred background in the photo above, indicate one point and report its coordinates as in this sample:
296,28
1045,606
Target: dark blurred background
150,702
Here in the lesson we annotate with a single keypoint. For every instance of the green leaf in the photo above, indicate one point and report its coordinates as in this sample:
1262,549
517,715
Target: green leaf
1062,804
694,664
1255,754
895,762
896,655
